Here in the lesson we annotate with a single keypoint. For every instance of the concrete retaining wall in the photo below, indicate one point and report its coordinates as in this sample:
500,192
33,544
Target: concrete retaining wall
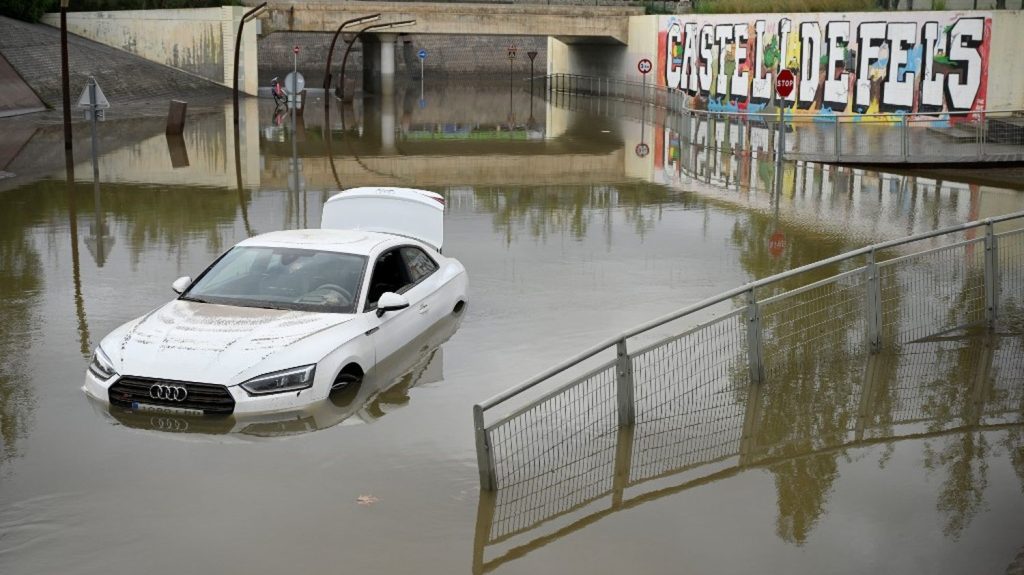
475,56
197,41
860,63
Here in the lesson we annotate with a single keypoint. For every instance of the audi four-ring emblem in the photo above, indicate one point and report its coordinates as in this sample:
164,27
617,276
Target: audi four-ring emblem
168,392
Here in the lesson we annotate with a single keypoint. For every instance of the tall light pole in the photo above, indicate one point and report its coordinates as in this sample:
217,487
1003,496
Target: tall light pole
344,59
238,45
64,74
330,53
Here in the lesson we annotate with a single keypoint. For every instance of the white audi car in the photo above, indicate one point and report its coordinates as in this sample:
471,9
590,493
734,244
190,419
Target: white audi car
280,320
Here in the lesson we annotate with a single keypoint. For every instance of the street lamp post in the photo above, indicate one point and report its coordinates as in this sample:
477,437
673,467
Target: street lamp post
238,45
330,53
64,74
344,59
532,54
511,57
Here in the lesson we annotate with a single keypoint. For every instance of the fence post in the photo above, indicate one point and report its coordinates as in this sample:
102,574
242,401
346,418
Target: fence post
904,140
483,451
755,356
981,136
874,305
624,385
991,275
837,145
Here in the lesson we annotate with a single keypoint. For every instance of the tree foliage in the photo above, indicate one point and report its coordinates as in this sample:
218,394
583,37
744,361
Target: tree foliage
29,10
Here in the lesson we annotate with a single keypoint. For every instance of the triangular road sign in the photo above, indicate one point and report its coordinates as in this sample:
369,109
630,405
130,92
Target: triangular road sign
101,100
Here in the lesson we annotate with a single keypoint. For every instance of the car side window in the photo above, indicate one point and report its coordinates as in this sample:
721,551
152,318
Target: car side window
389,274
419,263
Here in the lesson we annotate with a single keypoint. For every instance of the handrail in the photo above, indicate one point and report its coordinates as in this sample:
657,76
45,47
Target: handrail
748,287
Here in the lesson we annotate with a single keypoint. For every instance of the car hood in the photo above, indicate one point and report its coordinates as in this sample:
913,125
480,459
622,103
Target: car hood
209,343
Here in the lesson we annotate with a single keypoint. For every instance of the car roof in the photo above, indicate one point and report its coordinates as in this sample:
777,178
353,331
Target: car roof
357,242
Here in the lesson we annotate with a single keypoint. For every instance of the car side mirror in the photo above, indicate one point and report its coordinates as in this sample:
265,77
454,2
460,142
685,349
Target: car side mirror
181,284
391,301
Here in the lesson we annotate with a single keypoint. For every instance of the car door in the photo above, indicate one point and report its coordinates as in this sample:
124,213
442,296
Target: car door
423,270
394,329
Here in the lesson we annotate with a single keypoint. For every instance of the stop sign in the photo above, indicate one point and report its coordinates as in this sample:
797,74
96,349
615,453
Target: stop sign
784,83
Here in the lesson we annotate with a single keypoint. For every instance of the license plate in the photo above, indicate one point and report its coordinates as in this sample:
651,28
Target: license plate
165,409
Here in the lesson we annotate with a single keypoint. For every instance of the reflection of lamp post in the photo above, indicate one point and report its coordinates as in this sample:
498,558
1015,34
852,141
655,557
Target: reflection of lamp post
64,79
330,52
344,59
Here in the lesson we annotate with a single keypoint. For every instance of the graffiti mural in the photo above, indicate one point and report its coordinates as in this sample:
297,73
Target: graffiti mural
914,63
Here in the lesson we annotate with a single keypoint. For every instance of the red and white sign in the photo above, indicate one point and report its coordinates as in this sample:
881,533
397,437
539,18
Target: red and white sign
644,66
642,150
777,243
295,50
784,83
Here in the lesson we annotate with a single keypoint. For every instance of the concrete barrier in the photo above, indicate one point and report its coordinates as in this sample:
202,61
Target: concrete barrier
198,41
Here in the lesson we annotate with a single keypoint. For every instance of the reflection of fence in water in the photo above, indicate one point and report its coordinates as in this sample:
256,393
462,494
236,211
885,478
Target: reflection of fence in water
853,399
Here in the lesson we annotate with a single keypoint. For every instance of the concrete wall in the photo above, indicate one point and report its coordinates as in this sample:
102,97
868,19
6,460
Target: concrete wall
1006,73
197,41
899,62
607,22
472,56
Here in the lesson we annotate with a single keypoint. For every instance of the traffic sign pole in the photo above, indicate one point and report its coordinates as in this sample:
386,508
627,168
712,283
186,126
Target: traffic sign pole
644,66
783,87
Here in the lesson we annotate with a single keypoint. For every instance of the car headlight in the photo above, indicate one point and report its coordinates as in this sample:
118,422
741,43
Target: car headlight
101,366
294,379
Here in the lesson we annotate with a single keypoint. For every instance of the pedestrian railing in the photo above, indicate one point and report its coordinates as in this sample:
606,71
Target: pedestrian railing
884,295
795,430
939,137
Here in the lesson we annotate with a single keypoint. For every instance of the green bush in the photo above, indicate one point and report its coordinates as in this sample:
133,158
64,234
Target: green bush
29,10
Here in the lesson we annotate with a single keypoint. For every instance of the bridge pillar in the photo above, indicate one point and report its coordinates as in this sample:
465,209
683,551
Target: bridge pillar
387,63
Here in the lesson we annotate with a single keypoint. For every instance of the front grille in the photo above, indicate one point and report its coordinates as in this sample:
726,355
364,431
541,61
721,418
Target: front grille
213,399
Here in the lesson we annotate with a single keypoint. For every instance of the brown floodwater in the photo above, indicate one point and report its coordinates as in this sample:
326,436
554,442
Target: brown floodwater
574,224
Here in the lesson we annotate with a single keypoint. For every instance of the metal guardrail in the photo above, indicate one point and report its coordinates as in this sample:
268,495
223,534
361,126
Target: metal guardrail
973,384
896,295
885,138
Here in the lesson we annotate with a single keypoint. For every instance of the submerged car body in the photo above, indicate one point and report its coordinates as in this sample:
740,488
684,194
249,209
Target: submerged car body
282,319
384,389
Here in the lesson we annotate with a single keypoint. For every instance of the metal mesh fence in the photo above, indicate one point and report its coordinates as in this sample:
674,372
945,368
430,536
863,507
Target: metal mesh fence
931,292
689,395
695,404
920,137
1010,290
827,315
1007,393
556,453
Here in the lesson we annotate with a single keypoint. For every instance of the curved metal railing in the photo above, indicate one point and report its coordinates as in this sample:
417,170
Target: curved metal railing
904,290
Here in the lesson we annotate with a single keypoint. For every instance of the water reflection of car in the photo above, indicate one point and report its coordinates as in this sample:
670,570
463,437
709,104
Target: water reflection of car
384,389
281,320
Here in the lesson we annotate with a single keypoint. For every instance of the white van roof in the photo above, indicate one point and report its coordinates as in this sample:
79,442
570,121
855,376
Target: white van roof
417,214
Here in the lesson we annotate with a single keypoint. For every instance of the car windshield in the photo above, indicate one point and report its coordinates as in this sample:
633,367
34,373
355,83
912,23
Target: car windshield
282,278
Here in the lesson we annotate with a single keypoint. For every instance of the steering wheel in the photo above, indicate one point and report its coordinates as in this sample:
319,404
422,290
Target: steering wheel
331,287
